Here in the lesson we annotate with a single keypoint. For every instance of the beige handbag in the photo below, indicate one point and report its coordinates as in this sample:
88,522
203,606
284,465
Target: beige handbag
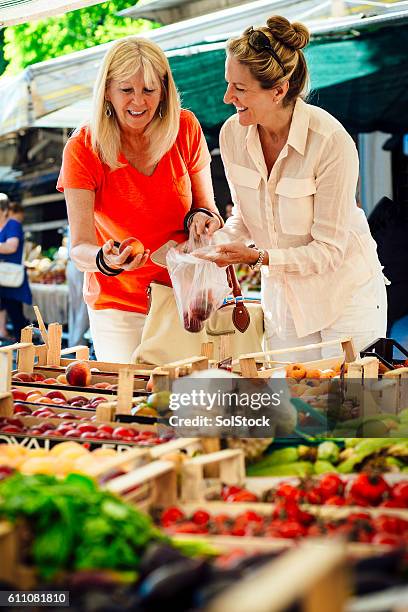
235,329
11,274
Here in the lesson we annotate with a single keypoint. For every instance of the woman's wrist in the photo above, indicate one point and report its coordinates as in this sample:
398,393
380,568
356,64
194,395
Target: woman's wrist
189,217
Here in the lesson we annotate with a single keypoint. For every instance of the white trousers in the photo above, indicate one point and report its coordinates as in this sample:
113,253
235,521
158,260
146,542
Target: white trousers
364,319
115,333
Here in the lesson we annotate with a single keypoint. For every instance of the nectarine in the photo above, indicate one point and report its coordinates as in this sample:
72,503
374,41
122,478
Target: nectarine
79,374
137,248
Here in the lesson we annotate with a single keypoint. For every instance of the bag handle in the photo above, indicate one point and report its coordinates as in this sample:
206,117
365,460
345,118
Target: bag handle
240,314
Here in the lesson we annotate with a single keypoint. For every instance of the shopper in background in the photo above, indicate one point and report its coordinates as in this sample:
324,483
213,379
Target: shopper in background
78,319
11,250
135,169
292,170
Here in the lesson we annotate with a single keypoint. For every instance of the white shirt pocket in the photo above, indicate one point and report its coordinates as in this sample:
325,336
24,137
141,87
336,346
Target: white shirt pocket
247,188
296,205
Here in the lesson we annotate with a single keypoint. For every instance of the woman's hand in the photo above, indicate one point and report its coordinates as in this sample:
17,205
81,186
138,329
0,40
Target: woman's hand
202,224
116,260
233,253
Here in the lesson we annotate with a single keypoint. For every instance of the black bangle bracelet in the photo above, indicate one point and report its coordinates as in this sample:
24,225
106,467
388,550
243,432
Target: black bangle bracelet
191,214
103,266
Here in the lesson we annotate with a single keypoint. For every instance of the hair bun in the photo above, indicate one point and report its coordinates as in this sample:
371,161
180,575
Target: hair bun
293,35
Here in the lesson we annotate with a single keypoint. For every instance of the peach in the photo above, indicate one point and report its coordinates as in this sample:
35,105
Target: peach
79,374
50,381
102,385
137,248
38,377
31,397
58,401
62,379
23,377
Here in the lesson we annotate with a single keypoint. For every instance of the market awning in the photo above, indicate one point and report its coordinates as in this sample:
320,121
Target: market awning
358,71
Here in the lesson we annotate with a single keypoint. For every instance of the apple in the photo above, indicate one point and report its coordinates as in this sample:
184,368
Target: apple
135,244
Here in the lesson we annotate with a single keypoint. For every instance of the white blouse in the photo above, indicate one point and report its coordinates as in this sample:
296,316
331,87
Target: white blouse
305,214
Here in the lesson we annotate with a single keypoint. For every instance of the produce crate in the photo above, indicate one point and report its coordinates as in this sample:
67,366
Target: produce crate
248,364
159,496
293,579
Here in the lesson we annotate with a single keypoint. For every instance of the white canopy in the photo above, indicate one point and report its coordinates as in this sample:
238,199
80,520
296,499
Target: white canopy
57,84
13,12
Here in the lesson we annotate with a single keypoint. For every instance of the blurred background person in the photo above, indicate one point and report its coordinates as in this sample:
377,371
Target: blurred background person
78,319
11,250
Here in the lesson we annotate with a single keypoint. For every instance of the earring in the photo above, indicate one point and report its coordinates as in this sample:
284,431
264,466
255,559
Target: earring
160,111
108,109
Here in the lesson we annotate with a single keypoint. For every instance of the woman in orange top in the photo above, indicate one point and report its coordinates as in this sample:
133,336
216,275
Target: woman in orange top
136,169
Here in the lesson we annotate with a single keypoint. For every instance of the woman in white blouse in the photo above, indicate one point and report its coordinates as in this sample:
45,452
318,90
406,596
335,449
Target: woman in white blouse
293,170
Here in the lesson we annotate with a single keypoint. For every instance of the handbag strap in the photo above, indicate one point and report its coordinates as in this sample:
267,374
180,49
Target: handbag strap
240,314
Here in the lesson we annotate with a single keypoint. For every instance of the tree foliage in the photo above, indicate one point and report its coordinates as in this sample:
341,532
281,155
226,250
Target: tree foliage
41,40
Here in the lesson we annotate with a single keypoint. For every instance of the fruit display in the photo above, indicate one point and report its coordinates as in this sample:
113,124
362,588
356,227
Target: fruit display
60,460
385,454
368,489
76,374
290,521
85,429
47,268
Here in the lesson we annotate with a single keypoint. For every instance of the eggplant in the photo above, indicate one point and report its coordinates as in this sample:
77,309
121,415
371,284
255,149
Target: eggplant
389,562
204,595
173,584
156,556
371,582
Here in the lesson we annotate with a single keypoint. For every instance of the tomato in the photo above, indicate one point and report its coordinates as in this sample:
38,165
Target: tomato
200,517
331,485
289,491
370,487
387,539
314,496
242,496
188,527
171,515
292,529
400,493
390,524
335,500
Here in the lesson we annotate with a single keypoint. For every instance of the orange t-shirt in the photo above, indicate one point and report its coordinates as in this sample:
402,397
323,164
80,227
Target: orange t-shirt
128,203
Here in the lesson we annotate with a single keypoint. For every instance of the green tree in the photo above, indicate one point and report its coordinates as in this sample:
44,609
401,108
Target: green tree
37,41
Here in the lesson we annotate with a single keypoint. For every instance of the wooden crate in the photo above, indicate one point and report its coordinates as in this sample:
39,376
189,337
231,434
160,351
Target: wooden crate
248,368
312,575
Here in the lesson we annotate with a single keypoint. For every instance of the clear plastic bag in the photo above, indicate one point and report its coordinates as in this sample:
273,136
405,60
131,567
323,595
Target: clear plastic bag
275,306
200,286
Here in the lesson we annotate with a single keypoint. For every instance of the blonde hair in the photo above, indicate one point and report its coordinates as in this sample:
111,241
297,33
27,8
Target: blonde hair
122,61
286,40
